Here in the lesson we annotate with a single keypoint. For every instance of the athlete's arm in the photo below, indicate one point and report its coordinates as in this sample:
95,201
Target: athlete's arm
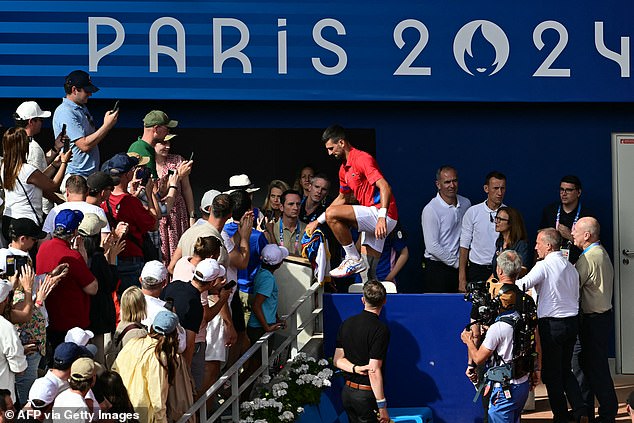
386,193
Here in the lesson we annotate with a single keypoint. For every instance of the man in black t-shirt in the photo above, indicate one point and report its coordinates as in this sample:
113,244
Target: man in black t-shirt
362,361
193,311
564,215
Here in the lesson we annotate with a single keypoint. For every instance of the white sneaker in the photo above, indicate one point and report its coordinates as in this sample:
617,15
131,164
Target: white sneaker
348,266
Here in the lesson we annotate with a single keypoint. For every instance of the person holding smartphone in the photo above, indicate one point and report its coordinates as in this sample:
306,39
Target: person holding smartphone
123,206
182,214
80,127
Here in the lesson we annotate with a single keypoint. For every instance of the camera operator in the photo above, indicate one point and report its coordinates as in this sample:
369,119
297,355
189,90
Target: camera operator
509,378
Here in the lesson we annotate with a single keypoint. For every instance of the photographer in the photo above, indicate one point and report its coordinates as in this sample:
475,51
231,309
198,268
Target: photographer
513,352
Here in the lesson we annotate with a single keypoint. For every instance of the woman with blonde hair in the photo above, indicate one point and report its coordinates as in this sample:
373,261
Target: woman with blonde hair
271,207
133,310
24,185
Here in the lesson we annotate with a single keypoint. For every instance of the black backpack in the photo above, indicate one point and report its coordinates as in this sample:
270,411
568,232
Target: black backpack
523,335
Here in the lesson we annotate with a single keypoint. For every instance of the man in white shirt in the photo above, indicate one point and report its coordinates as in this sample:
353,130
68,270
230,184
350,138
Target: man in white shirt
76,191
153,279
441,220
12,358
477,239
556,282
70,405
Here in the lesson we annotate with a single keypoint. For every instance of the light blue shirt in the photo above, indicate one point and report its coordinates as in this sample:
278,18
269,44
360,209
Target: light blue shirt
264,283
79,124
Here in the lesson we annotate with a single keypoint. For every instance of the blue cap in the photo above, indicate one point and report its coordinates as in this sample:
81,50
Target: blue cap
119,164
165,322
69,220
66,353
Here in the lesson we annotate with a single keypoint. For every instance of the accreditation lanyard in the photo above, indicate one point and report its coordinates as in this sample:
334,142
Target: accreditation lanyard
589,247
574,222
296,236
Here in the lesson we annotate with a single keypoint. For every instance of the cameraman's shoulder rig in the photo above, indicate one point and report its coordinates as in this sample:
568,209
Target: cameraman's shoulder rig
523,323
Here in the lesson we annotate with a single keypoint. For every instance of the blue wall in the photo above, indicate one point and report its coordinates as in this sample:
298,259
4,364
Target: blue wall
426,359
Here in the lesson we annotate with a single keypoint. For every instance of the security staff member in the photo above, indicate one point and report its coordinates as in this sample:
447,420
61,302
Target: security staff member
362,361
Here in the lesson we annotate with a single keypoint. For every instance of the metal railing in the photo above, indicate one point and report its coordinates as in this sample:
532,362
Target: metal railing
313,294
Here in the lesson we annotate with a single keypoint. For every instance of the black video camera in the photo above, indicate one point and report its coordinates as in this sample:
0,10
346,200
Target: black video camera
485,308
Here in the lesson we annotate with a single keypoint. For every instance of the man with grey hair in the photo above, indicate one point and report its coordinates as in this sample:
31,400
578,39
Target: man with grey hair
516,310
557,285
590,360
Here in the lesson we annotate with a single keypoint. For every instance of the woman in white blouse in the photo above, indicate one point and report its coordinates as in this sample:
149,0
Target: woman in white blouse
24,185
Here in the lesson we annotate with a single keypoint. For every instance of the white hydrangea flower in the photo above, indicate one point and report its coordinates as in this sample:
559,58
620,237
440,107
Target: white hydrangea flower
300,409
323,362
327,383
266,379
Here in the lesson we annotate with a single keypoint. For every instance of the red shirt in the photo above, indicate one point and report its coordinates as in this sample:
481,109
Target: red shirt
359,175
127,208
67,304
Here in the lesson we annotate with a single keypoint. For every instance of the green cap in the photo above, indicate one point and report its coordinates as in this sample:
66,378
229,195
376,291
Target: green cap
157,118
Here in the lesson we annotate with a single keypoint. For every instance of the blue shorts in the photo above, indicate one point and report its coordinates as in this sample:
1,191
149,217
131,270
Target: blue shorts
503,410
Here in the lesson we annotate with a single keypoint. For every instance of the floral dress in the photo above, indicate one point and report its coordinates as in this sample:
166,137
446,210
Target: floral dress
34,329
172,226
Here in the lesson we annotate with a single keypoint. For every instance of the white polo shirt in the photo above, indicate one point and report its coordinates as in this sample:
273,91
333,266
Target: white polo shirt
557,284
442,224
478,233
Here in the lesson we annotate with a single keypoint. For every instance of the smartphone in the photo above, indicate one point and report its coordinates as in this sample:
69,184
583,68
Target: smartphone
116,106
170,172
10,265
143,173
191,156
229,285
15,264
66,139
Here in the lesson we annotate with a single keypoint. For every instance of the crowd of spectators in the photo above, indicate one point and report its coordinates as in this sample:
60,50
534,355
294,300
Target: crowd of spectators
122,257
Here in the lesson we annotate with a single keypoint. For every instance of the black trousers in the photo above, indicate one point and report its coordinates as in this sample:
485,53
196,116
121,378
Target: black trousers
440,278
590,364
558,337
359,405
478,272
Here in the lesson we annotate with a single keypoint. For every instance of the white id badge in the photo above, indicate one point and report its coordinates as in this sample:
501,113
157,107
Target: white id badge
565,252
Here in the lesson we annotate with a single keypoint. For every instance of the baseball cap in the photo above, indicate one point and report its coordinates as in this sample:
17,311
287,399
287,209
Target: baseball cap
98,181
43,391
157,118
5,288
119,164
25,227
81,79
208,270
66,353
273,254
143,160
154,269
91,225
241,182
208,198
29,110
82,369
79,336
165,322
68,219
